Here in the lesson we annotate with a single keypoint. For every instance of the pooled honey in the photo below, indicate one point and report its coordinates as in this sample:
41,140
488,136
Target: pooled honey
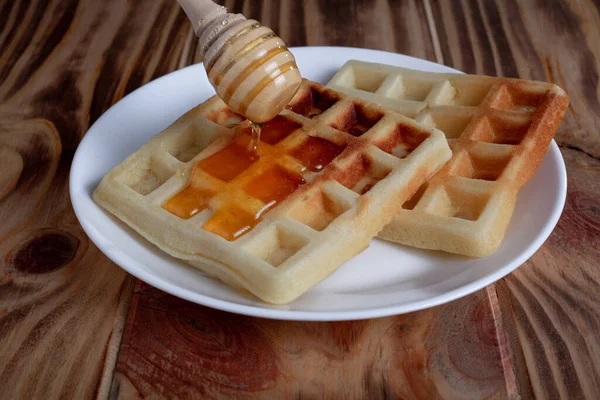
229,162
271,186
316,153
189,202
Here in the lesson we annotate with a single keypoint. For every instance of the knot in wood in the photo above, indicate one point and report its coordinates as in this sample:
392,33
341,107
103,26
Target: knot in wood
44,251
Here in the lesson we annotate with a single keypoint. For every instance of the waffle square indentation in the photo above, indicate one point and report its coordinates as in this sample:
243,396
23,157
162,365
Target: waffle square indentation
470,93
318,209
148,176
518,98
316,153
315,103
361,174
478,164
403,140
455,202
502,129
187,146
410,88
189,202
274,185
277,129
228,162
231,222
369,82
277,244
356,119
451,123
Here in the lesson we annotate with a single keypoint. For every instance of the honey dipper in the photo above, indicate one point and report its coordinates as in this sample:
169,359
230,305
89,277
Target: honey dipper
250,67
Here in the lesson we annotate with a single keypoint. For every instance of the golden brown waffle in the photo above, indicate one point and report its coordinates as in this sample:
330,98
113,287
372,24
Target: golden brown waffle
331,172
498,129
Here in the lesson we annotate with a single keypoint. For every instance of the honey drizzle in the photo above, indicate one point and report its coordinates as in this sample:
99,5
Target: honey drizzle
254,142
266,81
271,187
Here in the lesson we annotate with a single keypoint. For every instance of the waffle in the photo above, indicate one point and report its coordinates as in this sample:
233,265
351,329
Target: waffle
498,130
332,172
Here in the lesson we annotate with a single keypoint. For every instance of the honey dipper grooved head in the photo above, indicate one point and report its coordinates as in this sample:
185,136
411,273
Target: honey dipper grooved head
250,67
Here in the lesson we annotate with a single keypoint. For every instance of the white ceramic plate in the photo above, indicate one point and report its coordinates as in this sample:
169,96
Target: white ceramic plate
385,279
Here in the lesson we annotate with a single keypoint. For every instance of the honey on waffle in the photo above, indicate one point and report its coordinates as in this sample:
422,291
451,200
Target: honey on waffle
329,172
270,187
498,129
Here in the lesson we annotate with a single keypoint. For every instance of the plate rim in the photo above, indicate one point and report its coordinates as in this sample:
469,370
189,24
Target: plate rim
122,259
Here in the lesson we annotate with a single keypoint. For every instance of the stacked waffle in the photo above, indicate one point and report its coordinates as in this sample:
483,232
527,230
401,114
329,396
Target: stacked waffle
499,129
329,173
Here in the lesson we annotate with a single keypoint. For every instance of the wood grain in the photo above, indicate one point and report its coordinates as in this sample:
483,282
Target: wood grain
63,304
550,304
173,348
212,354
555,41
62,63
381,25
11,163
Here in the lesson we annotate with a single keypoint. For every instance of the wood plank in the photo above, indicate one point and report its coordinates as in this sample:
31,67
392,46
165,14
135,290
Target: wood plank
550,304
62,64
173,348
397,26
556,41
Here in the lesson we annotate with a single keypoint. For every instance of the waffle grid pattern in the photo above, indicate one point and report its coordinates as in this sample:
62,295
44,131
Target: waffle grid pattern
325,221
498,129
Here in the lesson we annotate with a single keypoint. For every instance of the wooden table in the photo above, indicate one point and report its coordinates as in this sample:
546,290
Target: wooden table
74,325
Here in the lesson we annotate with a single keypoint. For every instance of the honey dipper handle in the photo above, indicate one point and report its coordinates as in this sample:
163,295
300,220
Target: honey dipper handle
201,12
